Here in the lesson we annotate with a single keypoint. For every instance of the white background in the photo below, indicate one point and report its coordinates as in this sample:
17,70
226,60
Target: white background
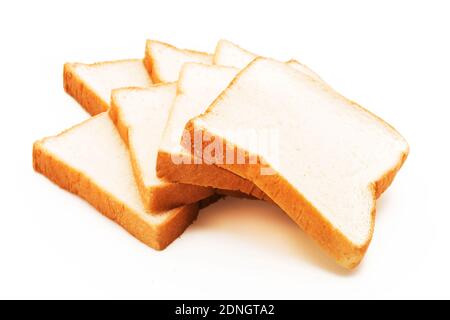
390,56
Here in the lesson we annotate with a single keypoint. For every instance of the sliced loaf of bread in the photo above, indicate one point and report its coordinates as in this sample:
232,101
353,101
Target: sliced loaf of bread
331,160
91,161
164,61
198,86
91,84
140,116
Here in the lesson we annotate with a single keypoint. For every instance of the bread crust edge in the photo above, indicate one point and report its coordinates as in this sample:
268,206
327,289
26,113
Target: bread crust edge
303,213
149,62
208,175
157,237
162,197
82,92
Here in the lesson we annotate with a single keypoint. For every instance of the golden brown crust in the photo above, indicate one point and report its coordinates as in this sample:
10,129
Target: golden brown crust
204,203
301,211
82,92
385,181
165,196
173,195
115,115
156,236
208,175
235,194
148,63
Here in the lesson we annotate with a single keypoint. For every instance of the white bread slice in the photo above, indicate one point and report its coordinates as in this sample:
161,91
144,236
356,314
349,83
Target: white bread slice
231,55
164,61
197,87
91,161
91,84
140,116
334,157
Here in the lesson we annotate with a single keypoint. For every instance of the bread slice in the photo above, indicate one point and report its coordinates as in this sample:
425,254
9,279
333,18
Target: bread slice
140,116
332,157
230,54
91,161
91,84
198,86
164,61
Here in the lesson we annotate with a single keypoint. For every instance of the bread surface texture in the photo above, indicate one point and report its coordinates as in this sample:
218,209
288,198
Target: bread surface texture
197,88
332,157
91,84
164,61
91,161
140,115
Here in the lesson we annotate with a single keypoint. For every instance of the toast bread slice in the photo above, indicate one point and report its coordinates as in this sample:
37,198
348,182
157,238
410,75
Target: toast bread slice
333,157
91,84
197,87
91,161
140,114
164,61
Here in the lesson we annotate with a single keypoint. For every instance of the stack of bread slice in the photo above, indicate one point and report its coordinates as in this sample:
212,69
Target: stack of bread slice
138,160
